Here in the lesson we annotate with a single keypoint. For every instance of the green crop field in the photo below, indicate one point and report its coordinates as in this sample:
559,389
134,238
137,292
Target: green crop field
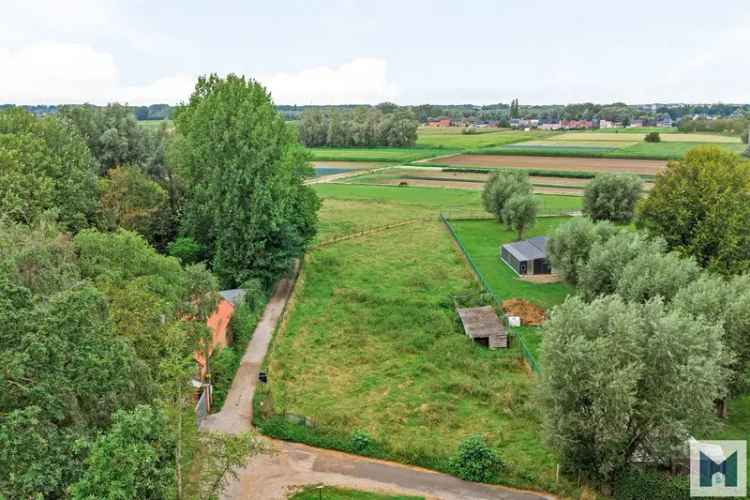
394,155
333,493
641,150
479,140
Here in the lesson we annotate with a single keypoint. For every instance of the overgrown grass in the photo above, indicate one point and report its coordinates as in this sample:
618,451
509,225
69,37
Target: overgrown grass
397,155
333,493
373,345
482,240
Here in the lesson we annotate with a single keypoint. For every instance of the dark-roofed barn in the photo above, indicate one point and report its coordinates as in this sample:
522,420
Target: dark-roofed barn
528,257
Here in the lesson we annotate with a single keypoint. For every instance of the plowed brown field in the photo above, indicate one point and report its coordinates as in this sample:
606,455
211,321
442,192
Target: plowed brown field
640,167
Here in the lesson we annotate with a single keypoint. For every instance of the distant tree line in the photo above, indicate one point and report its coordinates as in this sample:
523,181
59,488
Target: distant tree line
732,126
363,126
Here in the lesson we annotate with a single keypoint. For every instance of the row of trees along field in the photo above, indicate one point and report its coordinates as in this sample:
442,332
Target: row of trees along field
657,336
360,127
98,322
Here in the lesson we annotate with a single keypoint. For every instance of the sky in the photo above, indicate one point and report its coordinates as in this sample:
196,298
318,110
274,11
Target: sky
364,52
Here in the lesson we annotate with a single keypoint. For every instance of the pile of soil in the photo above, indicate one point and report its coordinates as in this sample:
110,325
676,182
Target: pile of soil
530,314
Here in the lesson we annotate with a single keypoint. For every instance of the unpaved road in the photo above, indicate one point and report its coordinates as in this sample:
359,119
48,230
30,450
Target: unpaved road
270,477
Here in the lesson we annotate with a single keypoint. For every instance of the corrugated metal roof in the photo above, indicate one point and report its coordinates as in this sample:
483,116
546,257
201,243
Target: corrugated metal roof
531,249
234,296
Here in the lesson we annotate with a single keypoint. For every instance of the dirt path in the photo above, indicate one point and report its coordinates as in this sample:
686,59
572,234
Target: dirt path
269,477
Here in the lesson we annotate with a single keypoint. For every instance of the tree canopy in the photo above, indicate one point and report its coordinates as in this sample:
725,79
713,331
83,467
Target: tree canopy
624,380
612,197
361,127
246,203
569,245
701,207
45,165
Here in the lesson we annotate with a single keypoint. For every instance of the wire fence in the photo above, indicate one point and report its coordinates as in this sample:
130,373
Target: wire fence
525,351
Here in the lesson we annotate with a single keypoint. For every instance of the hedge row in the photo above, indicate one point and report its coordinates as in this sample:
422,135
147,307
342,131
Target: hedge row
655,485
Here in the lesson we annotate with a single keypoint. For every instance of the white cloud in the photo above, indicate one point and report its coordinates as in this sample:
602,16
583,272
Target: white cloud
51,73
55,73
362,81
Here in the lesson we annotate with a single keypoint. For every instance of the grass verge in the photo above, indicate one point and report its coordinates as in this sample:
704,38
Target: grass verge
333,493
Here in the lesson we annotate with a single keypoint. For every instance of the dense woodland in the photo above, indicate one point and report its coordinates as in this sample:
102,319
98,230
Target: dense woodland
362,126
114,241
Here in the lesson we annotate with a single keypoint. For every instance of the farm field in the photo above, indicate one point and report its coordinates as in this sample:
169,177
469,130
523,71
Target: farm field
477,140
372,344
154,124
608,148
393,155
350,208
639,137
454,178
554,163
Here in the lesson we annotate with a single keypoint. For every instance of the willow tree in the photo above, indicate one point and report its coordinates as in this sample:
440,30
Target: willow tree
246,202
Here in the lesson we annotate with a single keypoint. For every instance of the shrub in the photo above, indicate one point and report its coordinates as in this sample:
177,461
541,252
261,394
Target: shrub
652,137
638,484
224,364
469,131
255,293
186,249
360,441
476,461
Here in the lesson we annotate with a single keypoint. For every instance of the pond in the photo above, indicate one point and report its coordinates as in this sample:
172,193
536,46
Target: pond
320,171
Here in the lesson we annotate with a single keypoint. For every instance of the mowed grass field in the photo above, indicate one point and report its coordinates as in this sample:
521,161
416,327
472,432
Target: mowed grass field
391,155
427,138
373,344
348,208
482,240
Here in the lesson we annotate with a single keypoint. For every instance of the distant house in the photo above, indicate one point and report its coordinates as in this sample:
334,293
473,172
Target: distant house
665,122
528,257
576,124
606,124
443,122
551,126
636,124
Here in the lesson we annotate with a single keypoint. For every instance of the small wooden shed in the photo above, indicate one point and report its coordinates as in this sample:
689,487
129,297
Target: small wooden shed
483,325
